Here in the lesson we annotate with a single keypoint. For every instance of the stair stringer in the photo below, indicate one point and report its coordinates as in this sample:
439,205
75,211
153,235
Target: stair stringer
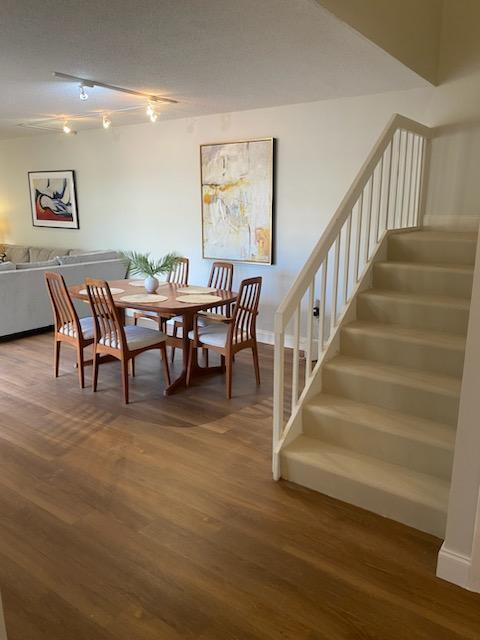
294,427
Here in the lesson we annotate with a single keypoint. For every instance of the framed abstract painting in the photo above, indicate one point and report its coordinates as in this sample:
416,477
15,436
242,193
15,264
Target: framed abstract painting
53,199
237,200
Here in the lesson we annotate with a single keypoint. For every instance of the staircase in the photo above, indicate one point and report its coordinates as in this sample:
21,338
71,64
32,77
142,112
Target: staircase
381,432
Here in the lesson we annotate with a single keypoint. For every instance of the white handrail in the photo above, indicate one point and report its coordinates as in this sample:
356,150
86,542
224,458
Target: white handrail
389,193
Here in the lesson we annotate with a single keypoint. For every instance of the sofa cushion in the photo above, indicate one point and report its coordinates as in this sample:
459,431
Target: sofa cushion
97,256
37,265
16,253
7,266
40,254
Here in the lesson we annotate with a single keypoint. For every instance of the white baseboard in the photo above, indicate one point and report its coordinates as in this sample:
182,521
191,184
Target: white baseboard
454,567
453,223
3,630
268,337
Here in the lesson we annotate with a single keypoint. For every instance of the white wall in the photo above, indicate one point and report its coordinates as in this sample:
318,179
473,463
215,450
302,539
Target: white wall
459,558
454,108
408,29
138,186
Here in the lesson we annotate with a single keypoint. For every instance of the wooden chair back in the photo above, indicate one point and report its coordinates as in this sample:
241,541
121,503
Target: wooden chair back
179,272
108,326
221,276
246,310
64,313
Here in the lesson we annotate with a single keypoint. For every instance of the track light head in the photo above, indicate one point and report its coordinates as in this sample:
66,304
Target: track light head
83,93
66,127
106,122
153,116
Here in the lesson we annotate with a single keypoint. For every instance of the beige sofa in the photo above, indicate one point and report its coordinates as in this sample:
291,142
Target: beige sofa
24,303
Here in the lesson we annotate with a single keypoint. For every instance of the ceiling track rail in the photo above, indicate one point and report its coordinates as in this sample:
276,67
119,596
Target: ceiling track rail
88,82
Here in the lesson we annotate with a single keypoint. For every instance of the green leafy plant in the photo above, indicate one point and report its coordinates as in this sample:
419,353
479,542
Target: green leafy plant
142,264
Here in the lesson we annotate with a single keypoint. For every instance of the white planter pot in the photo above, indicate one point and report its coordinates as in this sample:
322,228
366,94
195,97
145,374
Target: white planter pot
151,284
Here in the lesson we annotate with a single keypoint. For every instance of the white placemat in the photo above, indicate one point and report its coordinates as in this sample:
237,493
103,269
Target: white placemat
197,299
114,291
144,297
140,283
195,289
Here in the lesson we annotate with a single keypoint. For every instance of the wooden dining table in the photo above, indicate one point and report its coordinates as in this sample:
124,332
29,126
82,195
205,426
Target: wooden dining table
170,307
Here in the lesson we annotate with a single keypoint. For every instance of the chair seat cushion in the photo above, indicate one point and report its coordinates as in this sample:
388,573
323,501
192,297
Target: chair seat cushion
204,317
214,334
137,338
87,326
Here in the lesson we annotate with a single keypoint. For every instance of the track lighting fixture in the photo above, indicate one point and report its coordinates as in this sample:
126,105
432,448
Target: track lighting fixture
86,82
149,102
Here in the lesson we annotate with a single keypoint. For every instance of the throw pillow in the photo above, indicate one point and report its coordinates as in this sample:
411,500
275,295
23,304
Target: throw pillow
16,253
98,256
40,254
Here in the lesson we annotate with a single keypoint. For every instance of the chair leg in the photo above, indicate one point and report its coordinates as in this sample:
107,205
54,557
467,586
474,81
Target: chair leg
133,367
166,368
172,349
135,319
255,362
190,363
81,366
228,379
56,357
96,362
205,356
222,363
125,379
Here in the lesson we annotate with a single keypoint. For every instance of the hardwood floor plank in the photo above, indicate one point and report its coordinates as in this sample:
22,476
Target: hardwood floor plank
160,521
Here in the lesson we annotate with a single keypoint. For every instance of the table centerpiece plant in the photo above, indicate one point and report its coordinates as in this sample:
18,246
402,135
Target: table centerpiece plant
143,265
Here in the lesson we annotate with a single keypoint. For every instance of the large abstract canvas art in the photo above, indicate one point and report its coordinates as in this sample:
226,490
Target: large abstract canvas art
53,199
237,200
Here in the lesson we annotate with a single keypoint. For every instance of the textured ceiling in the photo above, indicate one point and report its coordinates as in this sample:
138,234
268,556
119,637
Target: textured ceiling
212,55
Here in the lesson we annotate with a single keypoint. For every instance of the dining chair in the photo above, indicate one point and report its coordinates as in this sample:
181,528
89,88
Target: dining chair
226,336
112,338
221,277
179,272
177,275
68,327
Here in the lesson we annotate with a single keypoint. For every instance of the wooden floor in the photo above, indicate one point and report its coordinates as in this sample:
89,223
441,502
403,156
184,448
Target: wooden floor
160,521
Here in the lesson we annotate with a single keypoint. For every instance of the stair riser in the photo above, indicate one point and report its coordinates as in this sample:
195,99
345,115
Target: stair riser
391,447
401,248
409,279
399,508
405,353
433,405
407,313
